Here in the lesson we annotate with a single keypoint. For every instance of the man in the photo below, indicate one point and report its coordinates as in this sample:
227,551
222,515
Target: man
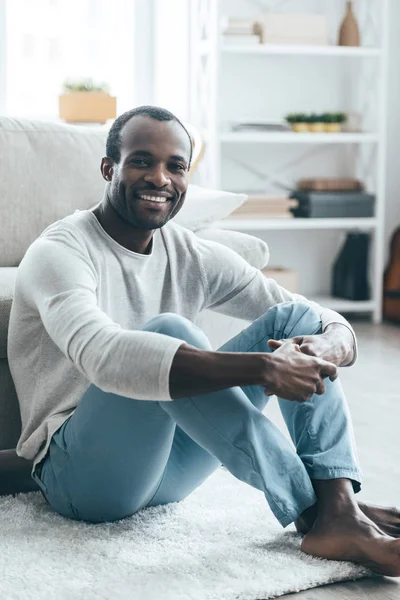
102,339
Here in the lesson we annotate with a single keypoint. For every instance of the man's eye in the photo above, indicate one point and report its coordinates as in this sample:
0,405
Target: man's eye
139,162
177,167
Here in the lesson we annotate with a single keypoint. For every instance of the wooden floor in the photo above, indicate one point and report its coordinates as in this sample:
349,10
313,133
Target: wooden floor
372,387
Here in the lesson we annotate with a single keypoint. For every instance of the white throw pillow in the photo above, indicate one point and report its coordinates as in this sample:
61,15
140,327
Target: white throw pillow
252,249
203,206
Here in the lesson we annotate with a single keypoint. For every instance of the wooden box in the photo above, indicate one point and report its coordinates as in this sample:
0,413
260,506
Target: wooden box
87,107
284,277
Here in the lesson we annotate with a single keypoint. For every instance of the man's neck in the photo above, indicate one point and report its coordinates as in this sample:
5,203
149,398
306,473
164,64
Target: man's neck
136,240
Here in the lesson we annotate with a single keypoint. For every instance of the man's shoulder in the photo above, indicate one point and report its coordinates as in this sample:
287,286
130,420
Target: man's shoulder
70,232
77,228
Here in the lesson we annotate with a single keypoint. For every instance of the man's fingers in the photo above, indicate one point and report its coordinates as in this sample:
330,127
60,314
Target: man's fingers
275,344
321,389
328,370
308,349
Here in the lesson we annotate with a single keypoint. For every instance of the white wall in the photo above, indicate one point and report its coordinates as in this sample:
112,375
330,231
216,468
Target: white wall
144,57
171,61
392,219
2,56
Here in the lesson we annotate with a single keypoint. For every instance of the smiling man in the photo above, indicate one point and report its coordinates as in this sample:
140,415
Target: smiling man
124,405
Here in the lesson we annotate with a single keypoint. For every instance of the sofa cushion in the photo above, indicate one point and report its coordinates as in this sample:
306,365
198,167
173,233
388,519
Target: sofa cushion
7,283
251,248
204,206
51,169
48,171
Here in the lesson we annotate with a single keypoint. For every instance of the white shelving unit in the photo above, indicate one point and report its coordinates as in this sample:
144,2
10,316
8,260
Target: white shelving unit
297,138
275,49
226,79
366,224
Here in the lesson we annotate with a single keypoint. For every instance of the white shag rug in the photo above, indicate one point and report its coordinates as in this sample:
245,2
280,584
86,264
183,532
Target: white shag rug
221,543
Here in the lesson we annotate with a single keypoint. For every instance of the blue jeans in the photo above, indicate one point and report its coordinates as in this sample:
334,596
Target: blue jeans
115,455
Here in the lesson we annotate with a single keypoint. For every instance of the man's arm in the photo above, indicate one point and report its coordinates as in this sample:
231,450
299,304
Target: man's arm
287,372
239,290
61,286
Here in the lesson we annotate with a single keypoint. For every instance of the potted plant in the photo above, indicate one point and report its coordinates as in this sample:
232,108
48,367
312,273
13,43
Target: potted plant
298,122
83,101
316,123
333,122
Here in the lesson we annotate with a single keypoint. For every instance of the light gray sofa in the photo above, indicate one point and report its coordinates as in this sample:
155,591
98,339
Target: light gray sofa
48,170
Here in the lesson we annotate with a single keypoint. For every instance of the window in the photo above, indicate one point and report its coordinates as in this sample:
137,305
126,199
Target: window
49,41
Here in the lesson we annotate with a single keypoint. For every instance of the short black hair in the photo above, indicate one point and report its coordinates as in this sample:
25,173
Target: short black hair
113,145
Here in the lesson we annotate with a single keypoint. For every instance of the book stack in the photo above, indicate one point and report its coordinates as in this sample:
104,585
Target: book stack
323,205
239,31
261,125
266,206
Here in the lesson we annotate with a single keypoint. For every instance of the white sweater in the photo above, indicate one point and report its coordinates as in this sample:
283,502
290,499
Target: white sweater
81,300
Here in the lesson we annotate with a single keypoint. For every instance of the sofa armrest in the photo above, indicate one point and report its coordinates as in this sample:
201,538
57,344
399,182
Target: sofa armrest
251,248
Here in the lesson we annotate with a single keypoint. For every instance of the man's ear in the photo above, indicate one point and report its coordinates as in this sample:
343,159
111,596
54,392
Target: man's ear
107,168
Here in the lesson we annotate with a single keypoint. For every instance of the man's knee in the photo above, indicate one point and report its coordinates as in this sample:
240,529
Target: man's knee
178,327
294,318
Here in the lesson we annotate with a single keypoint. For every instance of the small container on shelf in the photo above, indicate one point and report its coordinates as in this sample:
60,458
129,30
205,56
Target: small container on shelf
316,123
298,122
333,122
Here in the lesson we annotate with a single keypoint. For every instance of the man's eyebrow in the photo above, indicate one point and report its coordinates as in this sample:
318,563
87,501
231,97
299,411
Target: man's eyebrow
146,153
177,157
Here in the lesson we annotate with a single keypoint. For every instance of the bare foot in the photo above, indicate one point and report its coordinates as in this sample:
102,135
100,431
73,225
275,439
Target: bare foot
354,537
387,519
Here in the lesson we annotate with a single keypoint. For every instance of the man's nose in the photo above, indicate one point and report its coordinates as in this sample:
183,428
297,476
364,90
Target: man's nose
158,176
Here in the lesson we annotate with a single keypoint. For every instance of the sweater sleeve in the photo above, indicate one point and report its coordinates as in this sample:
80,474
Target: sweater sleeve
60,284
235,288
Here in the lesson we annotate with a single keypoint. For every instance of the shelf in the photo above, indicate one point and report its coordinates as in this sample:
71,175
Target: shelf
290,137
300,50
239,224
342,305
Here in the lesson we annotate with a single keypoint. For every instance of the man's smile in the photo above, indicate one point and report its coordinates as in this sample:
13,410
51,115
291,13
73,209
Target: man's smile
158,199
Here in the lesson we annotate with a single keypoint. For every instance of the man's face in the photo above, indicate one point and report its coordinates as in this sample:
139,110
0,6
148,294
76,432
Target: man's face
148,185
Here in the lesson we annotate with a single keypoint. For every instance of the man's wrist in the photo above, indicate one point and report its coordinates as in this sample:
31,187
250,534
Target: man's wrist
195,371
343,339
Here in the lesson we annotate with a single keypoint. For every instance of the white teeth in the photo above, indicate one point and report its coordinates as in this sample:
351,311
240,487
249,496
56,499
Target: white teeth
153,198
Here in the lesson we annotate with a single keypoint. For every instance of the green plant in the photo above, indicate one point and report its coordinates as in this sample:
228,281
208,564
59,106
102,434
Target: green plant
335,118
84,85
296,118
315,118
339,117
329,118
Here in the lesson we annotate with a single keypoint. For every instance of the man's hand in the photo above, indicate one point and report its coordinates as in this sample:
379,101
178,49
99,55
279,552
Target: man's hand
336,344
287,372
293,375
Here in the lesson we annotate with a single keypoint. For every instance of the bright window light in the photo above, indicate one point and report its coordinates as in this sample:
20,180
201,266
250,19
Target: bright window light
49,41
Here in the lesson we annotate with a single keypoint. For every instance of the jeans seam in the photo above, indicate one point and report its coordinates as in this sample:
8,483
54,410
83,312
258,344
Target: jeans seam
158,487
288,334
281,332
278,505
258,342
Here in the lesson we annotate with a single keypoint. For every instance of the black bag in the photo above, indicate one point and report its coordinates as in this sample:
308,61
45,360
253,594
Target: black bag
350,270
